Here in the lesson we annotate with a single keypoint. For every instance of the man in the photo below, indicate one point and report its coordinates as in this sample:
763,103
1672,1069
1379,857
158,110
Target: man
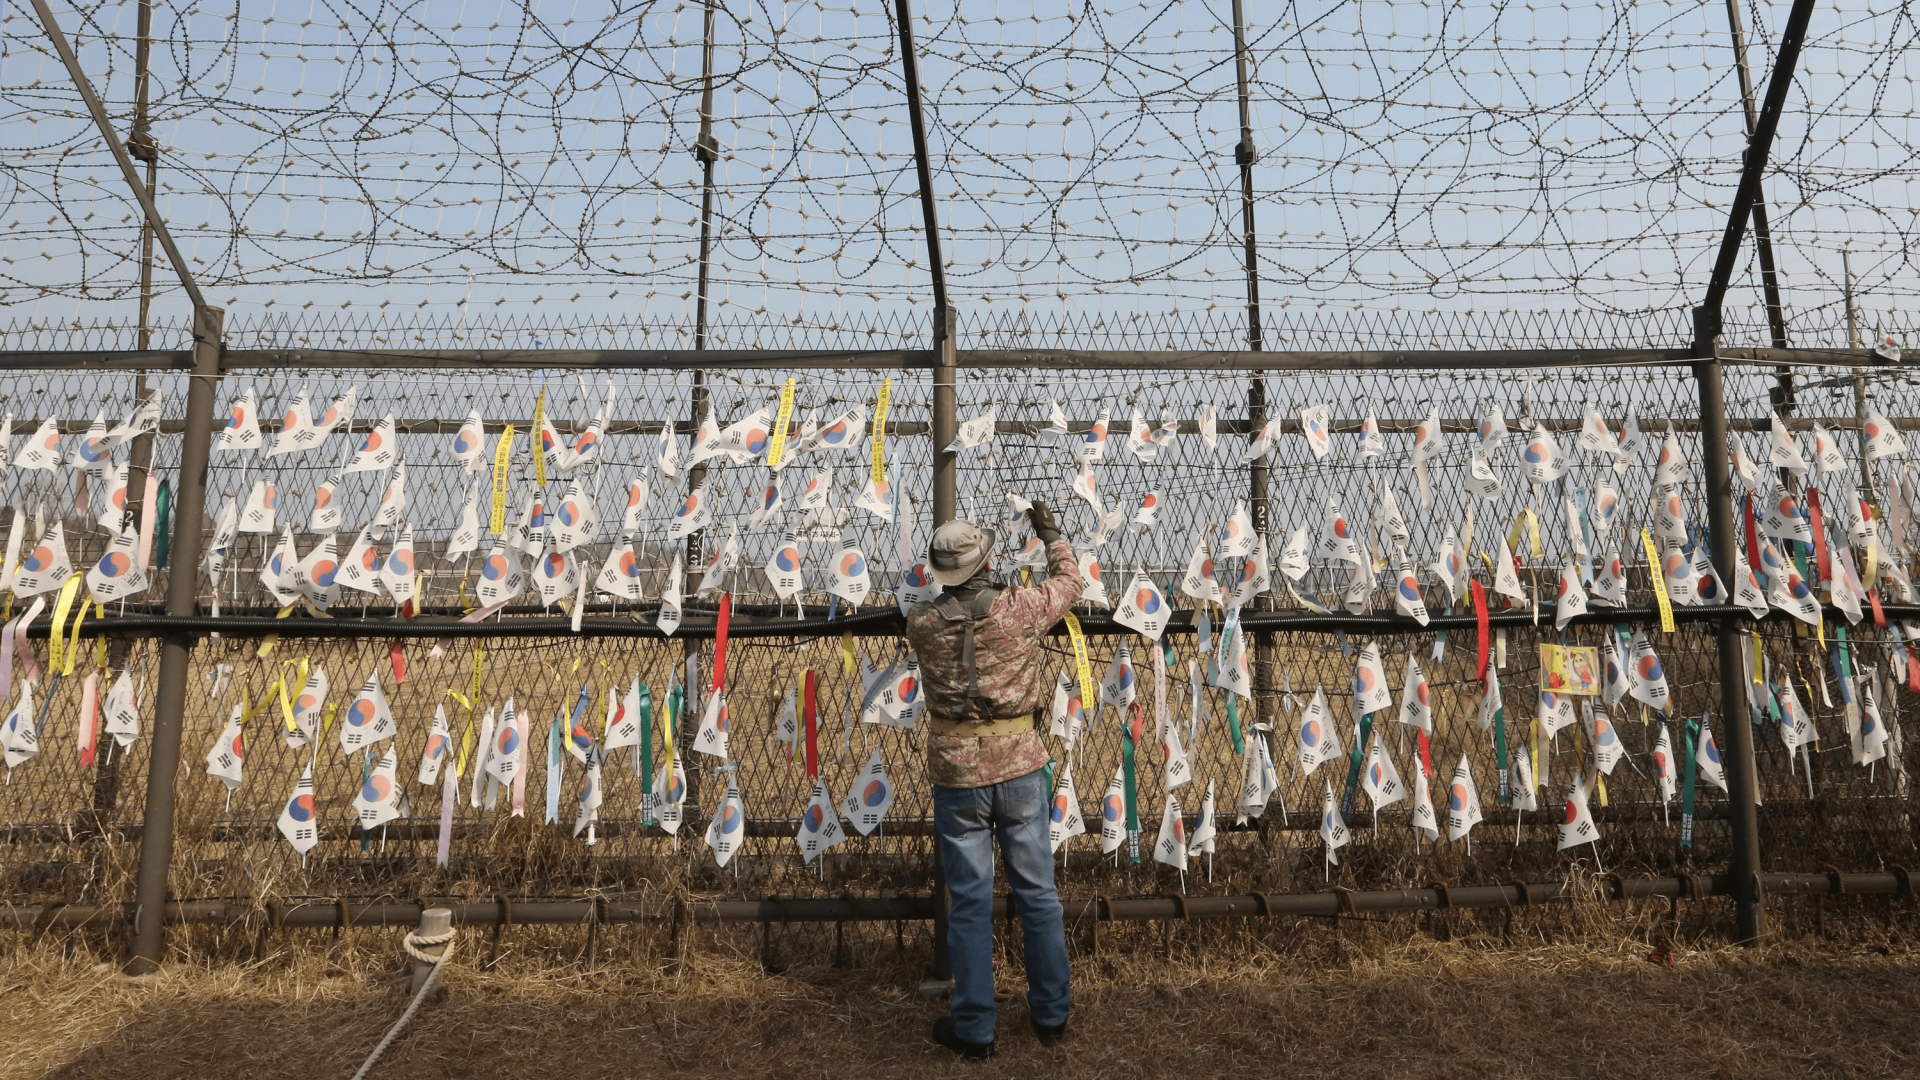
980,649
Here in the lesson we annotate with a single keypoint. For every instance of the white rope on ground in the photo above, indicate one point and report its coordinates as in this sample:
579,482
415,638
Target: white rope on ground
415,942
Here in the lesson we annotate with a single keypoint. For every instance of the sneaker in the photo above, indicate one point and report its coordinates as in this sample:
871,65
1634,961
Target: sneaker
1050,1034
944,1034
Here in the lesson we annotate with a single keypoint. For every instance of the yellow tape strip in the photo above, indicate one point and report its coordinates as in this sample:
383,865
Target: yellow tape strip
502,453
880,431
1659,581
539,440
1081,665
73,646
56,644
778,446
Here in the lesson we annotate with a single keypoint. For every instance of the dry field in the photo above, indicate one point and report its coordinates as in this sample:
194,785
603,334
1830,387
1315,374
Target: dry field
1209,1001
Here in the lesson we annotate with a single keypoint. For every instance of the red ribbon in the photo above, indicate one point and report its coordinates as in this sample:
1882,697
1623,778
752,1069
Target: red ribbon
398,655
1753,540
813,728
1913,670
1480,625
1873,598
1818,523
1139,730
720,641
1426,756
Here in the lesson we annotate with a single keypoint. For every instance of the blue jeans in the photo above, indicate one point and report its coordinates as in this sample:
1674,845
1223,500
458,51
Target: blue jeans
967,820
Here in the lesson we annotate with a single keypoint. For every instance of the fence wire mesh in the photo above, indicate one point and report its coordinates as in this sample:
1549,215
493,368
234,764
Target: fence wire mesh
73,830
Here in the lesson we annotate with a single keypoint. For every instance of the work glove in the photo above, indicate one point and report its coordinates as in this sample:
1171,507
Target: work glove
1043,524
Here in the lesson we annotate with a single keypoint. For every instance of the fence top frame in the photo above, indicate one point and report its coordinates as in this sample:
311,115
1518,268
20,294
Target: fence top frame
923,359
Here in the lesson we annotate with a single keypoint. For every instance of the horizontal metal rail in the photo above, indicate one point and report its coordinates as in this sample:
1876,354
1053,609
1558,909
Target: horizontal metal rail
324,914
424,828
1477,359
1651,425
882,622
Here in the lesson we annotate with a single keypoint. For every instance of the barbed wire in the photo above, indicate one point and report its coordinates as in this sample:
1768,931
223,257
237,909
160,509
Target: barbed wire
512,158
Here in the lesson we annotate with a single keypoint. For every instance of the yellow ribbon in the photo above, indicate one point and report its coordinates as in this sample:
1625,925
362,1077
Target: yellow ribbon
1659,581
880,431
1082,667
503,451
539,440
73,647
56,644
778,446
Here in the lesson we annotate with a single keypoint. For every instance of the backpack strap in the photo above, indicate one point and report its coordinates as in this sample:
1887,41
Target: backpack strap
973,609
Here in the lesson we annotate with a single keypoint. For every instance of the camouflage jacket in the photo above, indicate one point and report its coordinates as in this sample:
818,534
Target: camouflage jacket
1007,647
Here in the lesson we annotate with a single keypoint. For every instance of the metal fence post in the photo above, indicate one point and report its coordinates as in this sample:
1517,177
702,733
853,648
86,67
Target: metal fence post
946,497
170,697
1245,155
1742,773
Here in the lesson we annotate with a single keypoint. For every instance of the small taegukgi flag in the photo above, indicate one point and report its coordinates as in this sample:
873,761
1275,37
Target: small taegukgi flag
592,792
1314,425
1117,689
1143,608
45,566
819,825
1093,445
1113,812
1572,599
977,431
850,579
1333,828
1423,816
1370,693
1578,827
381,795
122,711
1883,439
1648,678
242,431
1416,698
1063,816
118,572
870,797
439,745
227,755
296,426
21,740
1171,846
1380,778
1317,739
42,449
1663,764
1783,450
377,449
1371,444
300,818
1463,802
368,720
1203,830
728,827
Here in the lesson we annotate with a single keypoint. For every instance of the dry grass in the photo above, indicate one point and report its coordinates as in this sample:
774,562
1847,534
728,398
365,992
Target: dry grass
1361,1000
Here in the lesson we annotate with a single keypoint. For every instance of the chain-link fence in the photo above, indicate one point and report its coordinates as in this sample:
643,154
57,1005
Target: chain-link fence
74,828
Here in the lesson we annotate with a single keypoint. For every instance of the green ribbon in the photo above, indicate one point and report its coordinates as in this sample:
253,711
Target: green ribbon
1133,807
646,752
163,509
1355,758
1688,730
1500,752
1233,724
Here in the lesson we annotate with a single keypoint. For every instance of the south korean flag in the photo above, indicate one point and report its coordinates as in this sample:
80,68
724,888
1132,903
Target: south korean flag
1578,828
728,827
299,818
870,797
1171,846
819,825
1063,816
